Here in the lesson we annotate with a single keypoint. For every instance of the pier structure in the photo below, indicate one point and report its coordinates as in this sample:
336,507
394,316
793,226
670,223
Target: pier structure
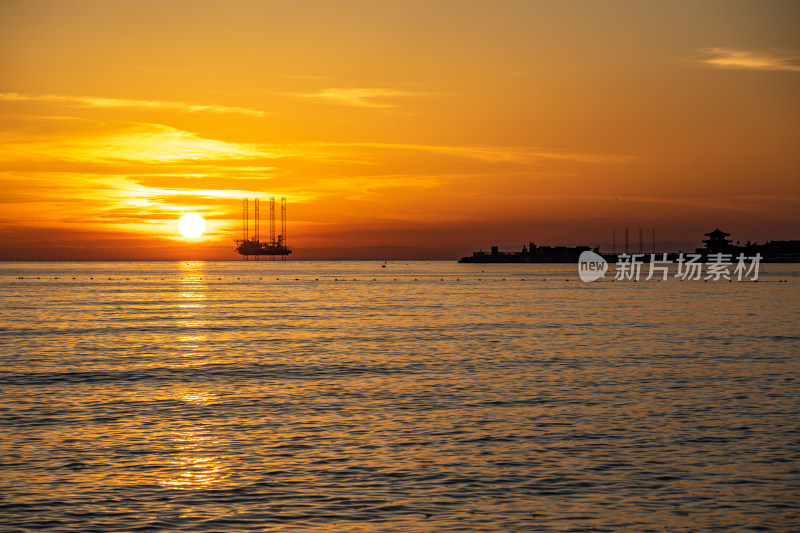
272,248
717,245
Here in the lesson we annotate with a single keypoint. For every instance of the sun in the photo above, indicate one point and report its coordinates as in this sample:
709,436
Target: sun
191,225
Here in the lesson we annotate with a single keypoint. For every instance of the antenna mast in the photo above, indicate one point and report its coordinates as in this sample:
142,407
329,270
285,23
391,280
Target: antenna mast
613,240
244,219
640,240
272,220
283,220
255,221
626,239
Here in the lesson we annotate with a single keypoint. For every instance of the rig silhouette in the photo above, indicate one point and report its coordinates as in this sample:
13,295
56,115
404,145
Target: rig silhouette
271,248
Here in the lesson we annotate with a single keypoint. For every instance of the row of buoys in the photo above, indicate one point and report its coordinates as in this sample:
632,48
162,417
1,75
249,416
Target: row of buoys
277,279
92,277
376,279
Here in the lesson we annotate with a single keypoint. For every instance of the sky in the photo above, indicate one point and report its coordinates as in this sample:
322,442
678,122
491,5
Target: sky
396,130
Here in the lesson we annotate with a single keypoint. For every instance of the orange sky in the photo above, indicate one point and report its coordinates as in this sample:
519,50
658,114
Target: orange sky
397,130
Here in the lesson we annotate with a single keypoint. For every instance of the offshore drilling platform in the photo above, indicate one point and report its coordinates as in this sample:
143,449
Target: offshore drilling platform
273,247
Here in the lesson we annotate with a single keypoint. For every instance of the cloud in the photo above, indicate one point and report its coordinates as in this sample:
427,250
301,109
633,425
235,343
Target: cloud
136,178
355,97
494,154
139,143
99,102
781,60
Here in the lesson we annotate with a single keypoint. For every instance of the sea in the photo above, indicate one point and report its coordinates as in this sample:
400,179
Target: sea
401,396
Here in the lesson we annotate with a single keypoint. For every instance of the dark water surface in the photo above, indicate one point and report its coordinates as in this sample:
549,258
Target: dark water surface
315,396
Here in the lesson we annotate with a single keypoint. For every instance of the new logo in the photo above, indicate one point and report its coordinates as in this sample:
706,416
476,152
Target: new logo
591,266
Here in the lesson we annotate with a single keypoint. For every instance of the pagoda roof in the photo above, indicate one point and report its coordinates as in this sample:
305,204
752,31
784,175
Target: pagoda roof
717,234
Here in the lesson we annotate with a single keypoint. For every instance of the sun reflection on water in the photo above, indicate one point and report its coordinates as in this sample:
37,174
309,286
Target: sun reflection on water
192,304
194,467
200,398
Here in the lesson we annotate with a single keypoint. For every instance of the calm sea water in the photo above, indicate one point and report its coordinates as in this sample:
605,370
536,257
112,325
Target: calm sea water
316,396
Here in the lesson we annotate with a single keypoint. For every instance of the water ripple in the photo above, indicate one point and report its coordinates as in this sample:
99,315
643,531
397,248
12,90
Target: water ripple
419,397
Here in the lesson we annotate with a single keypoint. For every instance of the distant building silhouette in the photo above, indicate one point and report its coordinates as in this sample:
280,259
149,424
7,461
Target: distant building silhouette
532,254
716,243
771,252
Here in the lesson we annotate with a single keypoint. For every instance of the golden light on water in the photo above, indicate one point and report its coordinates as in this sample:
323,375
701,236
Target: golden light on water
194,466
427,396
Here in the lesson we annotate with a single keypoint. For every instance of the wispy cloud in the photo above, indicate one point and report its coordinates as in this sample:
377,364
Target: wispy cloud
139,143
100,102
728,58
357,97
494,154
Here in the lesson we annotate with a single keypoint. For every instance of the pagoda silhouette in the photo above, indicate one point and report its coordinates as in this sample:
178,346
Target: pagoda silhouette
717,242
